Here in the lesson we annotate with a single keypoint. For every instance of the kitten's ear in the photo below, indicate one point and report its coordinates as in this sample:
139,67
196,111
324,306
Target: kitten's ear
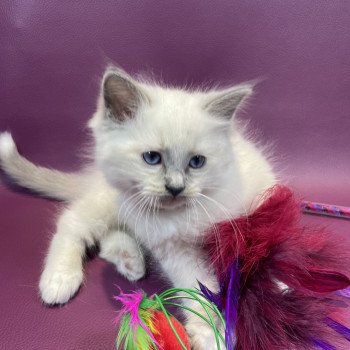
224,103
122,94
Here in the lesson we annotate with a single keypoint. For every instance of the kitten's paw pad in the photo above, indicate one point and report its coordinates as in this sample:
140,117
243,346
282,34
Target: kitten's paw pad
58,287
131,265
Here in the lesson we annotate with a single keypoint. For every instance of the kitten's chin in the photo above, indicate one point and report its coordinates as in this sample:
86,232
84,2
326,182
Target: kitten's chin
171,203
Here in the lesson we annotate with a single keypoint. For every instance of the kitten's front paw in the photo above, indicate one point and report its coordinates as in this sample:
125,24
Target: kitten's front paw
130,264
122,250
57,287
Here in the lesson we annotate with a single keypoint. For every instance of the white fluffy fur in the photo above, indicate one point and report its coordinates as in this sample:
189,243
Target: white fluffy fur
119,201
7,145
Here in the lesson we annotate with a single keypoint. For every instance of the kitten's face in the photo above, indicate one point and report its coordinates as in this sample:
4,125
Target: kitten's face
166,150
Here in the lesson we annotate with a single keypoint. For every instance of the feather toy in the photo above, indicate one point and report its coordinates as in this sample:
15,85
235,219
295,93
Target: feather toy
145,323
289,277
281,286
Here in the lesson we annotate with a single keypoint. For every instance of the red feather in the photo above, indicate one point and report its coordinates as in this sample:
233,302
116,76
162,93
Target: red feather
271,246
165,336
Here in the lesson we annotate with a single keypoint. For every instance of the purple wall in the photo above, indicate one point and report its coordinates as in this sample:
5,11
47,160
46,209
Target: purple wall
52,55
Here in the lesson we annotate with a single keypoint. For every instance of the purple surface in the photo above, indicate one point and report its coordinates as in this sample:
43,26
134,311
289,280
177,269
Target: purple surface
52,55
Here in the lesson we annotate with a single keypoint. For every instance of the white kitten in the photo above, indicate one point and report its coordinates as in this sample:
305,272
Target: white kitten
169,164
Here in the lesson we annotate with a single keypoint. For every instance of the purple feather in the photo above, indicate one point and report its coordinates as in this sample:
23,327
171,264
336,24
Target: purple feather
338,327
323,345
231,307
215,298
344,292
229,293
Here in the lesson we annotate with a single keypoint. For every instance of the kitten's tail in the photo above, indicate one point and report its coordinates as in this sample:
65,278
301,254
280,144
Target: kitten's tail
47,182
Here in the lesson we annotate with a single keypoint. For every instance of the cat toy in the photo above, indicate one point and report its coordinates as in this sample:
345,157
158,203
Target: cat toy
281,283
325,209
145,323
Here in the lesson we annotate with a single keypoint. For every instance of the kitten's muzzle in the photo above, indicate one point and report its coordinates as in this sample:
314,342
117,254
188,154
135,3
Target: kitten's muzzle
171,202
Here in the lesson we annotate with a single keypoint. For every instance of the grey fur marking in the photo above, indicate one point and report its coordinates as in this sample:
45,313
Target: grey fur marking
175,165
121,94
225,102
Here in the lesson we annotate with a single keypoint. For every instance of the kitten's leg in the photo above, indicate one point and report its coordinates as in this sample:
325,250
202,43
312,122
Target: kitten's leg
63,271
201,335
122,250
82,224
185,264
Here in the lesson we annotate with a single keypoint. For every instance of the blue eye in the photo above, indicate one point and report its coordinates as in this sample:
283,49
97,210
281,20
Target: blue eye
152,157
197,162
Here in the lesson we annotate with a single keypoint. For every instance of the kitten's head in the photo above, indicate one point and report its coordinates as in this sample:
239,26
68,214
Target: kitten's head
165,146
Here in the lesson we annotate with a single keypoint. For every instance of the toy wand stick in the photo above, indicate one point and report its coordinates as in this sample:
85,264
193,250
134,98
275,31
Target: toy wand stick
325,209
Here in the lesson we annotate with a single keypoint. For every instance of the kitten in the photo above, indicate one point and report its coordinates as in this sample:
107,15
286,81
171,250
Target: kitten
168,164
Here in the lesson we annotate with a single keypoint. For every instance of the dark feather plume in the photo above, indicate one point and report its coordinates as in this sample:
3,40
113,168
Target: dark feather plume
274,247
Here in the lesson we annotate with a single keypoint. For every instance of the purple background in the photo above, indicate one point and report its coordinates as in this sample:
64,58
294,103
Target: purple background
52,57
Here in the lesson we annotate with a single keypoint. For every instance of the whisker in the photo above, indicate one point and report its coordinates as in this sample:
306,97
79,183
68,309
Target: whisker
188,218
124,203
140,212
228,216
213,226
131,206
194,208
155,216
148,211
239,200
225,211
